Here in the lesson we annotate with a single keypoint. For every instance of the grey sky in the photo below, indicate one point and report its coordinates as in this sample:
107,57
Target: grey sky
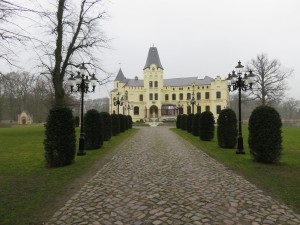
201,37
197,37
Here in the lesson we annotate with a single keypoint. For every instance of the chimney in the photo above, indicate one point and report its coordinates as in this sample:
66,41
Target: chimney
136,78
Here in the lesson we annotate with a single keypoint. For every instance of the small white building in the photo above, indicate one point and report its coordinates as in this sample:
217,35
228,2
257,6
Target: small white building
25,118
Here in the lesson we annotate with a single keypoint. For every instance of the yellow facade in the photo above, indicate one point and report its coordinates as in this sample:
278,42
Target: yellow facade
159,98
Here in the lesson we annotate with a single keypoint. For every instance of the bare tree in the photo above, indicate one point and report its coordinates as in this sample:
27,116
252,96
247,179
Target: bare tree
288,108
74,37
11,32
270,84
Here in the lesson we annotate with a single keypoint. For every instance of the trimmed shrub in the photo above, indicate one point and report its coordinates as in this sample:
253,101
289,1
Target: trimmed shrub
195,125
123,123
76,121
115,121
60,139
189,123
227,129
207,128
129,121
178,121
107,125
93,129
265,139
183,122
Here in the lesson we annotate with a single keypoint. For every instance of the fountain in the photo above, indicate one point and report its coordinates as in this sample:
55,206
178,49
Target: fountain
153,122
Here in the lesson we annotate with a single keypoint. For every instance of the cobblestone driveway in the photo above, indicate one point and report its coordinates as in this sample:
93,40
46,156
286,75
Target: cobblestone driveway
158,178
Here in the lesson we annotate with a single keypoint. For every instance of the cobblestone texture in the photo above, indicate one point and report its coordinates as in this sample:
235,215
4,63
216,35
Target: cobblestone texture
158,178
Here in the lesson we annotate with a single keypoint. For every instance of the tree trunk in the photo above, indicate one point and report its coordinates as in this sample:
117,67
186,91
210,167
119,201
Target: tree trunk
57,73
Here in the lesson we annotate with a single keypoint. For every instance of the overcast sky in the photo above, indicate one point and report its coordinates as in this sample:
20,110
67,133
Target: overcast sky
198,37
202,37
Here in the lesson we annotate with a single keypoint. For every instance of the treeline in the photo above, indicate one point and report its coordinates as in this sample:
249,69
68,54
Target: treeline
35,94
288,108
23,91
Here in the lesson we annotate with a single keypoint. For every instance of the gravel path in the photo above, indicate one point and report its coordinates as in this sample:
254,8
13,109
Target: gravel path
158,178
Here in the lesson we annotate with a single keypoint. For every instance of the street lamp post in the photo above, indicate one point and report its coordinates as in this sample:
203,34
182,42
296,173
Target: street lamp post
83,83
118,101
128,107
237,82
193,100
179,108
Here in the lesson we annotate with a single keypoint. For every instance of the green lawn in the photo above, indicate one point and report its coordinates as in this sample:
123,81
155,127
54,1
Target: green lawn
281,181
28,190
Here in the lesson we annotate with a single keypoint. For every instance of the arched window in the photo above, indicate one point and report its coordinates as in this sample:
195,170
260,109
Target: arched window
198,95
218,109
181,96
206,95
166,97
189,110
188,96
155,83
173,96
198,109
136,110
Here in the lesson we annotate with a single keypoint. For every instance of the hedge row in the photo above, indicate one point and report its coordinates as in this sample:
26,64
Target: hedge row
60,139
264,140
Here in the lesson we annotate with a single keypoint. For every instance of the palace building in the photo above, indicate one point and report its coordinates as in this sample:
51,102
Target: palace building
159,98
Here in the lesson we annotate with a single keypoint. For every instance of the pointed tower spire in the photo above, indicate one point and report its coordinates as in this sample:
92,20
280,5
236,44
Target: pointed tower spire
153,58
120,76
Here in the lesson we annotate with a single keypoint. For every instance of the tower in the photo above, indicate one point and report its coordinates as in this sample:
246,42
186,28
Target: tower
153,83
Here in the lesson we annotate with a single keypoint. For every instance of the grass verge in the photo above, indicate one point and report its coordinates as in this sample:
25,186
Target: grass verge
28,191
281,181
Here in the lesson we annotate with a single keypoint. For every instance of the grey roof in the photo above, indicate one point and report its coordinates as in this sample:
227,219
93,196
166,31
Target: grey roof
135,83
120,76
153,58
174,82
186,81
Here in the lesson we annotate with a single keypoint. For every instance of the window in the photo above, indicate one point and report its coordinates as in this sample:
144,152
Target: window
198,95
180,110
207,108
198,109
206,95
150,96
189,110
141,98
156,96
168,110
155,83
173,96
218,109
188,96
136,110
166,97
180,96
150,84
218,94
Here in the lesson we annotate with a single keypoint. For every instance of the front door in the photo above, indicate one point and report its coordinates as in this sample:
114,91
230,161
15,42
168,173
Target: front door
153,112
